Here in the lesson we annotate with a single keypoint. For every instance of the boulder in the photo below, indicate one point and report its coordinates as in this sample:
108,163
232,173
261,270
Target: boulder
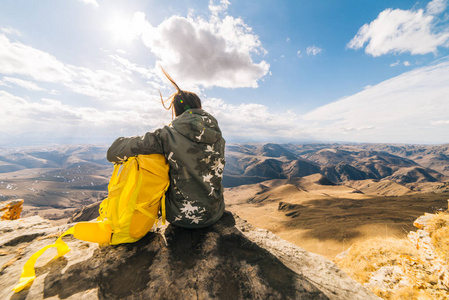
229,260
87,213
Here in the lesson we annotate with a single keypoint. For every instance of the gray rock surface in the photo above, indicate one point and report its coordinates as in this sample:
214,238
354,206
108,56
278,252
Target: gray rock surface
229,260
87,213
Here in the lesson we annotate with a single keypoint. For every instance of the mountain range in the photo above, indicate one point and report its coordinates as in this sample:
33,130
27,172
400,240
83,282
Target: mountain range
339,163
57,180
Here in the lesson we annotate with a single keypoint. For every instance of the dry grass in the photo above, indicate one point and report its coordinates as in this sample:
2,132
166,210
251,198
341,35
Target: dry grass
437,222
438,227
410,293
328,219
440,240
366,257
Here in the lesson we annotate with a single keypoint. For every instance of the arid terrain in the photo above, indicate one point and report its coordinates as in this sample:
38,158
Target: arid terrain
322,197
325,197
327,219
54,181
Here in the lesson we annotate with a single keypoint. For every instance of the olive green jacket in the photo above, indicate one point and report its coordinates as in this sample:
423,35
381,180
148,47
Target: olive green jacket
194,148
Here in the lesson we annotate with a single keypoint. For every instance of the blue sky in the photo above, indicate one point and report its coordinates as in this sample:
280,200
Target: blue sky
87,71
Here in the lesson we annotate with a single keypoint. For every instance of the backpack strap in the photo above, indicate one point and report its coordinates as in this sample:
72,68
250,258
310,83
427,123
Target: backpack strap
28,273
159,195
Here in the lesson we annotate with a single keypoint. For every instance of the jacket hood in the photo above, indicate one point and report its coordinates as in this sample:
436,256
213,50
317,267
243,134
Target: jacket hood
197,125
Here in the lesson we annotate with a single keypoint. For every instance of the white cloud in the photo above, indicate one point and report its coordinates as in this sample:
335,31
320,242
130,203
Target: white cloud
127,65
361,128
403,31
299,53
219,8
22,60
19,59
94,3
214,52
313,50
50,115
11,31
405,109
436,7
55,92
397,62
24,83
441,122
254,121
394,64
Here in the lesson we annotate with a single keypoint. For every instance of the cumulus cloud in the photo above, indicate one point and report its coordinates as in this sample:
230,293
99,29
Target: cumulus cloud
403,31
214,52
218,8
313,50
406,108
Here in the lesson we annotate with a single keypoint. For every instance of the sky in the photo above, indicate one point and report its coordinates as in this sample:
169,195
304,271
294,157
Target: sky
88,71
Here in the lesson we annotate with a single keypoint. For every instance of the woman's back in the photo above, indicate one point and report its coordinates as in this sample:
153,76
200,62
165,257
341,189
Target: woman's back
194,148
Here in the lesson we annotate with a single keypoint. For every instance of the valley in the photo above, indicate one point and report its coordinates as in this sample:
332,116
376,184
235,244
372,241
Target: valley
54,181
322,197
328,219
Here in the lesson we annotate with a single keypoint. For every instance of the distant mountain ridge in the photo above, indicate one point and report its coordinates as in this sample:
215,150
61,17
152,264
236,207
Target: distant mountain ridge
252,163
63,157
54,180
340,163
84,168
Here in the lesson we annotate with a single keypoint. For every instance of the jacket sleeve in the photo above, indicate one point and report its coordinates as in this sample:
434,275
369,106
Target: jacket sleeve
125,147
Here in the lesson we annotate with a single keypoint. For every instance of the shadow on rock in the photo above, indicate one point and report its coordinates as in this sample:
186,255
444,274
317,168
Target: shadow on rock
216,262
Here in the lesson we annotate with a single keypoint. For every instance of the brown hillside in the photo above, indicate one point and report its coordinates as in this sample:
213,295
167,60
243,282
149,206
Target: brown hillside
327,219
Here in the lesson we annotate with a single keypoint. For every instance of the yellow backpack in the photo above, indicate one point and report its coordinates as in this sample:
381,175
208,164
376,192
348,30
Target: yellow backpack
136,194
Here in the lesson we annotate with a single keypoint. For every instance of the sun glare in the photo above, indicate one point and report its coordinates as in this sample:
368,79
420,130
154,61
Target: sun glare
122,28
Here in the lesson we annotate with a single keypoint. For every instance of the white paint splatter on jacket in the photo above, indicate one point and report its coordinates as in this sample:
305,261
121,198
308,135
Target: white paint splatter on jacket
194,148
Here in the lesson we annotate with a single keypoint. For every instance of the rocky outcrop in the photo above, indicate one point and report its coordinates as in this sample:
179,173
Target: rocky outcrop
415,268
87,213
229,260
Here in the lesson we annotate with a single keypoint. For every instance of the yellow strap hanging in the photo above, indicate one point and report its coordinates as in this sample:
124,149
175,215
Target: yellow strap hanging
28,273
124,187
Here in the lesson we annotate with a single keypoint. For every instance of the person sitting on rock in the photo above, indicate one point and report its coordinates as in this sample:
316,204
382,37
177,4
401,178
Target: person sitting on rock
194,148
